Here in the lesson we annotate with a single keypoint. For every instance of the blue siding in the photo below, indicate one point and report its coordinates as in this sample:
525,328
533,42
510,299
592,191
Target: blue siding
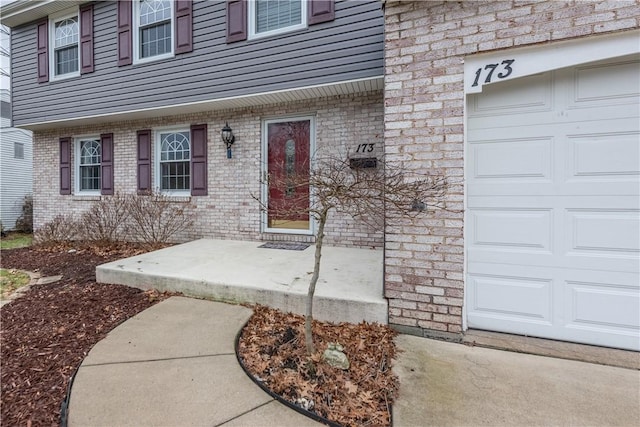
351,47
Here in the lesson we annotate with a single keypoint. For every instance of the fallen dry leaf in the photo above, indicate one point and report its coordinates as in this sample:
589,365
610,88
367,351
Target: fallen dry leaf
272,348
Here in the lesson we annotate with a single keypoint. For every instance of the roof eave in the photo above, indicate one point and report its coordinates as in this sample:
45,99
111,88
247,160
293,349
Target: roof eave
21,12
289,95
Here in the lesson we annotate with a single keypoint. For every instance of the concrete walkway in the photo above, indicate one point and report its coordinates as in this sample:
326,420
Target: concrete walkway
174,365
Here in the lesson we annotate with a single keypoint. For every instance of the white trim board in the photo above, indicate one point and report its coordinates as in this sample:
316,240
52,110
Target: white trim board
545,57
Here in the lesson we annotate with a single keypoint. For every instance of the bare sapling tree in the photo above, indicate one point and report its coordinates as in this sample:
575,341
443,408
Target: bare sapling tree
338,183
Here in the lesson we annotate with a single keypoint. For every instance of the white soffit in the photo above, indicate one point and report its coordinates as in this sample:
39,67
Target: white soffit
21,12
290,95
508,64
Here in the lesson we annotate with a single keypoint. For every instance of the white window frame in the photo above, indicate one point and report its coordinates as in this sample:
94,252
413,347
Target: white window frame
265,171
77,141
73,13
251,14
157,145
137,59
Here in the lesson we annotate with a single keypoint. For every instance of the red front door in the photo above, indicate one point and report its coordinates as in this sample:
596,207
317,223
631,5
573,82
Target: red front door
288,162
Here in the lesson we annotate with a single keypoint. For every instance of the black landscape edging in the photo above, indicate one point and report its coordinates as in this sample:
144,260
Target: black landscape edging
64,406
277,397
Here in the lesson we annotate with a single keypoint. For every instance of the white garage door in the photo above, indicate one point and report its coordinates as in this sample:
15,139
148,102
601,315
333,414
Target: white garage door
552,231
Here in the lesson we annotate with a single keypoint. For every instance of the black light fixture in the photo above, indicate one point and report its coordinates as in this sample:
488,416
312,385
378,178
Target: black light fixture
228,138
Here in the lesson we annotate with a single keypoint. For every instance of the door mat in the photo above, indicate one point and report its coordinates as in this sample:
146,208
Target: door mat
285,245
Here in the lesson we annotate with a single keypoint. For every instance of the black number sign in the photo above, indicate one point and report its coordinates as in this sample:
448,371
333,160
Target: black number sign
505,66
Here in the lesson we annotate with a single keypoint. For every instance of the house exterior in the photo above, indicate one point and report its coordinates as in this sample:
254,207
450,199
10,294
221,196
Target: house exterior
15,165
203,66
530,108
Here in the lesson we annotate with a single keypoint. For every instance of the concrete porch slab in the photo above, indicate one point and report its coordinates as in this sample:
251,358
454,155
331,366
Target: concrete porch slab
349,288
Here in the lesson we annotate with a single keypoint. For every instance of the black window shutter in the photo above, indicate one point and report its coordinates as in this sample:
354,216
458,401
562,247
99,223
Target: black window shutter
125,35
236,20
184,26
43,51
199,160
144,161
106,164
321,11
65,165
86,39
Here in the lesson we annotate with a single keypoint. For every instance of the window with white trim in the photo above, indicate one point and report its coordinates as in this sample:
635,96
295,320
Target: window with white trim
65,37
174,161
154,29
88,165
270,17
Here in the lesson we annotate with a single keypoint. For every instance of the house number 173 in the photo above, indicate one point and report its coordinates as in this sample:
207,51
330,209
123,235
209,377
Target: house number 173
504,69
365,148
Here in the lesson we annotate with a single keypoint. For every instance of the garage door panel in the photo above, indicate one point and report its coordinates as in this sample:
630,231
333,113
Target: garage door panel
587,292
519,159
587,298
526,230
606,232
523,231
527,94
622,84
607,163
500,300
519,299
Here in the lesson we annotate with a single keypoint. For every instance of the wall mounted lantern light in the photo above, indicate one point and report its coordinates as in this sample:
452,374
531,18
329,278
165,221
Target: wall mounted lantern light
228,138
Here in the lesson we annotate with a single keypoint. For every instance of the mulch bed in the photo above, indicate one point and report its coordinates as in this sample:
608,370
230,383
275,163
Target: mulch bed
271,348
46,333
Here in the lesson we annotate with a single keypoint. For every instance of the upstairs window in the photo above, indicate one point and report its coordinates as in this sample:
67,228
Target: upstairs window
89,155
175,161
64,44
154,20
65,60
269,17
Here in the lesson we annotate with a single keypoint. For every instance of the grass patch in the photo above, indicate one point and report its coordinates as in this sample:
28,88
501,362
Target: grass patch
10,280
16,240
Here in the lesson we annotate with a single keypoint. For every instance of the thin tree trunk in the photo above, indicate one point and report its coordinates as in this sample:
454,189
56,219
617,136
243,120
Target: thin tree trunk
308,320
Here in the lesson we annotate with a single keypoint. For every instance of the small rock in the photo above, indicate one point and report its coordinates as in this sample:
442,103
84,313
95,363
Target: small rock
304,403
335,357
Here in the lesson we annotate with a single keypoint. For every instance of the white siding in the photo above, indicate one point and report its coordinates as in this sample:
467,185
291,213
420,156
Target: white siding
16,175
